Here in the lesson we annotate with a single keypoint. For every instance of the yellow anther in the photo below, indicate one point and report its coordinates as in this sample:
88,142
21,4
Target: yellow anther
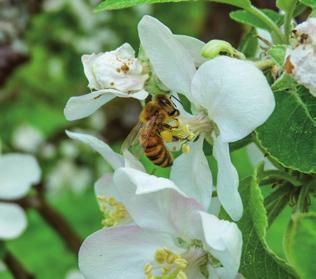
181,275
113,211
166,135
161,255
165,270
170,265
148,269
185,148
181,263
171,258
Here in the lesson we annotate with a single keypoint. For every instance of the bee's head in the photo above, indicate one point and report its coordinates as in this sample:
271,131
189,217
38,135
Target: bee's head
166,103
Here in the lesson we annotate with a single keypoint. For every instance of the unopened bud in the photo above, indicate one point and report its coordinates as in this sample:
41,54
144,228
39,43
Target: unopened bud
215,48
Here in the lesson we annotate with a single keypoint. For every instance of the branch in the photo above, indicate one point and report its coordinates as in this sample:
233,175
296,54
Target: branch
16,267
59,224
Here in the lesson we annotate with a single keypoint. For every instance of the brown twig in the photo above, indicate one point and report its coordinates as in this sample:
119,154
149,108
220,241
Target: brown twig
59,224
16,267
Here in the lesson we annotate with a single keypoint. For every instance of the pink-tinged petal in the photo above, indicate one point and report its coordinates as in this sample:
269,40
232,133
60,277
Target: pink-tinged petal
121,252
171,61
191,173
18,172
227,180
12,221
224,241
114,159
156,203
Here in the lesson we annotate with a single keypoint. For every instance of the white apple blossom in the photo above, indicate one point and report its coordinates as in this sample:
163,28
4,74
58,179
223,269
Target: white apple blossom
230,98
108,197
172,236
18,172
301,58
112,74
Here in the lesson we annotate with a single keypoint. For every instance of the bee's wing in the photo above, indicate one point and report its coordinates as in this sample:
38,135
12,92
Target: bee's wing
133,137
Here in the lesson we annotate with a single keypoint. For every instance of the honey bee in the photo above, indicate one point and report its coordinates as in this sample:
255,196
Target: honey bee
158,116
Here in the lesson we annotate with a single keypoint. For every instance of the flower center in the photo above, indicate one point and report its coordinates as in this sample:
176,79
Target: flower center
113,211
167,265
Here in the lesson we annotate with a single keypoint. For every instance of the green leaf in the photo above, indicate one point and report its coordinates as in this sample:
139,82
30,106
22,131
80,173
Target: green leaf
249,43
301,244
284,82
248,18
289,135
238,3
300,8
278,52
121,4
310,3
285,5
257,260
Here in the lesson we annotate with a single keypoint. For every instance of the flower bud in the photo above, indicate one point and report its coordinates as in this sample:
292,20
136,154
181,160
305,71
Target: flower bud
117,69
301,58
218,47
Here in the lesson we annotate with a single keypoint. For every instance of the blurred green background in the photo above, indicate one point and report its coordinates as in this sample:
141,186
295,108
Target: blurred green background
41,43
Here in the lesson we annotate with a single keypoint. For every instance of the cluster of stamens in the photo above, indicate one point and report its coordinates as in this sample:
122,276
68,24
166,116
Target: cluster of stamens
113,211
179,133
171,266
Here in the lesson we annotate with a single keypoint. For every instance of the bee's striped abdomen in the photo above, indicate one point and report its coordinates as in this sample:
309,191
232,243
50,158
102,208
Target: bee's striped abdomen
155,149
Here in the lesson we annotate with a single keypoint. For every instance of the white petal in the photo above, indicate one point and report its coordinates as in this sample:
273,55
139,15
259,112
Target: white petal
172,63
227,180
191,173
74,274
130,161
18,172
114,159
236,95
256,156
87,62
158,203
82,106
120,253
12,221
194,47
215,206
105,187
224,241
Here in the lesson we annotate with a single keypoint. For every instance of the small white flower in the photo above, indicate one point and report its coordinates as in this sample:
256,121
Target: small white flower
66,174
171,230
230,98
27,138
301,58
18,172
113,74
